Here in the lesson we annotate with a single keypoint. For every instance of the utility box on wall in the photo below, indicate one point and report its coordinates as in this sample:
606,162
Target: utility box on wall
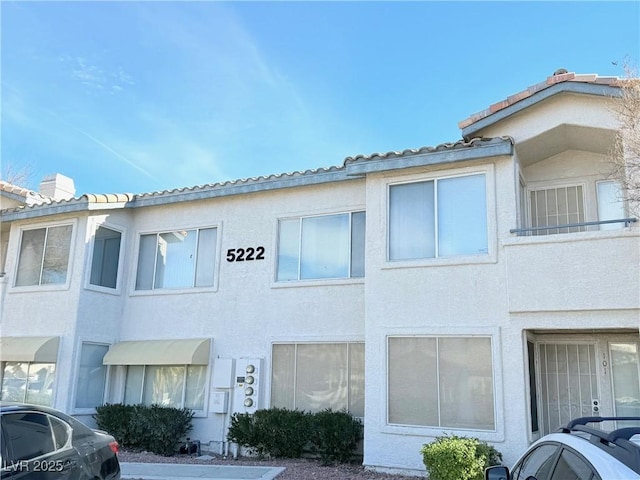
247,396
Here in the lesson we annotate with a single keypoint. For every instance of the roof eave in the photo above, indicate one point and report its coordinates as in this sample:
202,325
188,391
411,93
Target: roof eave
565,87
481,148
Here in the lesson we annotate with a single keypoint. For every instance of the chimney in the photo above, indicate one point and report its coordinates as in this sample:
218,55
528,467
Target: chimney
58,187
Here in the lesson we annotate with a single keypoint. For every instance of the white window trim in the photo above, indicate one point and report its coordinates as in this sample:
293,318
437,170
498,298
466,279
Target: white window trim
496,435
623,200
72,248
492,232
196,413
293,340
175,291
586,202
76,372
314,282
89,257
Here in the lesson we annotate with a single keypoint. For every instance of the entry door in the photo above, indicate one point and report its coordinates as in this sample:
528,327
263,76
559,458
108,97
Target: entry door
568,383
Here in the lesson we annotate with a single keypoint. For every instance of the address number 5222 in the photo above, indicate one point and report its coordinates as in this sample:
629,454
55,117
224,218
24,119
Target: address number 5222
245,254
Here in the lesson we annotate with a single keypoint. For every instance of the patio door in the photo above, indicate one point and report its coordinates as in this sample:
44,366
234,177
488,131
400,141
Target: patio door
567,383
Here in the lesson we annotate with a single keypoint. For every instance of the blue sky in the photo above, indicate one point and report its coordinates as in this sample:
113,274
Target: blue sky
146,96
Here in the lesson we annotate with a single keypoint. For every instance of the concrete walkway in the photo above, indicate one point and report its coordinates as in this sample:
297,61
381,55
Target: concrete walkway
174,471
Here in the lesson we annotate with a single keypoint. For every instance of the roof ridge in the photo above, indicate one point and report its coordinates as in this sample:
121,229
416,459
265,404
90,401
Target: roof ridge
560,76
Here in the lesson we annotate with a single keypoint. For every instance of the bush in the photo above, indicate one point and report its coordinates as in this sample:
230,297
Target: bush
335,435
116,420
458,458
277,432
153,428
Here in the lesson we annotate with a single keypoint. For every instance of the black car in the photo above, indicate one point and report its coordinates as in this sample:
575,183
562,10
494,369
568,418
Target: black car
40,443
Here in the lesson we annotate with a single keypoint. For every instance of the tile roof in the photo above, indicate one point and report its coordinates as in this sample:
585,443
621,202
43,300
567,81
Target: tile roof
448,147
560,76
28,195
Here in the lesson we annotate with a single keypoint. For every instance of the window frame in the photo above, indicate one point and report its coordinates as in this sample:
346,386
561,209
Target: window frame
623,201
488,170
80,343
319,281
205,390
496,435
347,342
586,204
173,291
73,223
120,268
25,398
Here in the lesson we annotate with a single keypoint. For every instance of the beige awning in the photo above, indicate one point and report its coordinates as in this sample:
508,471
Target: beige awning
29,349
159,352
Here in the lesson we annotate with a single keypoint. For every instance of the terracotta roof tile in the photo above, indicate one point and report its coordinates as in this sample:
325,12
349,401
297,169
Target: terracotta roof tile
460,144
560,77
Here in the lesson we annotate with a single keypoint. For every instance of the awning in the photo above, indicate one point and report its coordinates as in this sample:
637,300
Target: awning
159,352
29,349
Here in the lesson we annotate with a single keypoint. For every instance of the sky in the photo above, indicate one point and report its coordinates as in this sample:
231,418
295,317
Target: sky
134,97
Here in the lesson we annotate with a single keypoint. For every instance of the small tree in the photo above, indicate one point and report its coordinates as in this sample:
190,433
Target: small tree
625,155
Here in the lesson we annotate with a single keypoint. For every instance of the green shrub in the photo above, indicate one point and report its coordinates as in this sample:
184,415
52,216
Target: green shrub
115,418
283,433
277,432
458,458
335,435
153,428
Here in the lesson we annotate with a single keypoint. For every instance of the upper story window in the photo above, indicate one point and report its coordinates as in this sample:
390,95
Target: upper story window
177,259
321,247
106,256
44,256
438,218
557,206
610,204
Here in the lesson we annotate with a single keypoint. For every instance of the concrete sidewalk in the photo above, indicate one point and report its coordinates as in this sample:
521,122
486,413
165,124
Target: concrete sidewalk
174,471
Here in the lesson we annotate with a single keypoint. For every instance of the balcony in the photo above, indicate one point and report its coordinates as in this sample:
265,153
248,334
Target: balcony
573,267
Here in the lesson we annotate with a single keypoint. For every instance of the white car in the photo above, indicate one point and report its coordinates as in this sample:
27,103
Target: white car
579,452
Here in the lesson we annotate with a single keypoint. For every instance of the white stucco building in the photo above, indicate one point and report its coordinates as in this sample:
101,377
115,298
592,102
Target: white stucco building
477,287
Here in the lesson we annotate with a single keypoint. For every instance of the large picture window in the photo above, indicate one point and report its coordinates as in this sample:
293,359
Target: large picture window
328,246
92,376
28,382
179,386
106,256
444,382
315,376
44,256
438,218
178,259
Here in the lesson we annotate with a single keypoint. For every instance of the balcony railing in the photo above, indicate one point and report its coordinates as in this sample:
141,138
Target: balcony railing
569,227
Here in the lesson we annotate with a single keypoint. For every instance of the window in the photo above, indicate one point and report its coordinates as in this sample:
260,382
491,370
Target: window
538,463
315,376
441,382
438,218
106,255
625,370
610,204
28,382
328,246
44,256
557,206
179,386
30,435
179,259
572,467
92,376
